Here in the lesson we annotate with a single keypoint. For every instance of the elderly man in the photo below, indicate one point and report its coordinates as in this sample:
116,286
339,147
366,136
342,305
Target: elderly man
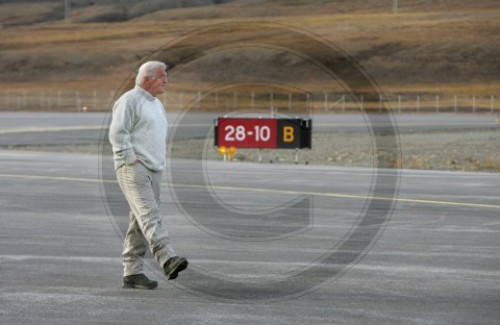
138,134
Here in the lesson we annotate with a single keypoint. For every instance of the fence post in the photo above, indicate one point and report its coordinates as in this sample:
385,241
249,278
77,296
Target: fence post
181,100
309,105
326,101
399,104
199,100
77,101
111,97
42,99
271,96
7,99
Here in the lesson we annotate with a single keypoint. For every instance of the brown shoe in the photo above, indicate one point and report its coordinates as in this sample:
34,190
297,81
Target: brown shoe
138,281
174,265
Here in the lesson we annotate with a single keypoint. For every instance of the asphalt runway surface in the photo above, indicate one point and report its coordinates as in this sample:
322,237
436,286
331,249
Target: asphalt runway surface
267,243
31,129
259,238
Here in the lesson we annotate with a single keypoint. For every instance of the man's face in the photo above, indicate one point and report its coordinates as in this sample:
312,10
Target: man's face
156,85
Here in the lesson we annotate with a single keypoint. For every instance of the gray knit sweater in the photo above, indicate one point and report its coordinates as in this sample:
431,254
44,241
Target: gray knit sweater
138,130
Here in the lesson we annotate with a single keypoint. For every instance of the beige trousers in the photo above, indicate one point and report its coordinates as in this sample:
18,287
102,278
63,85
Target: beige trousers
141,188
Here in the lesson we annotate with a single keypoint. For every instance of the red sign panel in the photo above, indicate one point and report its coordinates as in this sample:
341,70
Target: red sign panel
247,132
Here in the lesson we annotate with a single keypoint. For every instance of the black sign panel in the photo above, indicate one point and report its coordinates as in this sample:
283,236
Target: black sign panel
289,133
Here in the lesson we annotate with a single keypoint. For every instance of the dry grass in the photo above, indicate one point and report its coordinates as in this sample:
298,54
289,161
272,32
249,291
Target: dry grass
20,13
436,50
489,164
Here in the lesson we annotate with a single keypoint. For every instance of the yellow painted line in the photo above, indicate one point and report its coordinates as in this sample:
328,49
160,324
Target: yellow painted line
349,196
56,178
260,190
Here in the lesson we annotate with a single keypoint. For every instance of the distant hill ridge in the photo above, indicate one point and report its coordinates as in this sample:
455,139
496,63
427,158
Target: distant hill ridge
18,12
25,12
430,42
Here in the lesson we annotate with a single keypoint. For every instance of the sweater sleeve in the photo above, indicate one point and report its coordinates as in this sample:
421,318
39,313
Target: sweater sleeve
120,131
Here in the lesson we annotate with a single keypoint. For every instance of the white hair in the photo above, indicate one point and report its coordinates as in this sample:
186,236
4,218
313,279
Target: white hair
148,69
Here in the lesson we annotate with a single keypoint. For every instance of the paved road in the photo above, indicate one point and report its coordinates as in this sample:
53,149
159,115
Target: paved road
437,260
90,128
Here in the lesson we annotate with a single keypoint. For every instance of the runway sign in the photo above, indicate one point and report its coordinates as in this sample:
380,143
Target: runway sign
272,133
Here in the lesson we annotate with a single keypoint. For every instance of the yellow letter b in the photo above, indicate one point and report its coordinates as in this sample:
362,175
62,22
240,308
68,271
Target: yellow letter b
288,134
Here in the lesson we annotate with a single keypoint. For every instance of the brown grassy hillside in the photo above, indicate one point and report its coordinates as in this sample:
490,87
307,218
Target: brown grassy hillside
435,46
